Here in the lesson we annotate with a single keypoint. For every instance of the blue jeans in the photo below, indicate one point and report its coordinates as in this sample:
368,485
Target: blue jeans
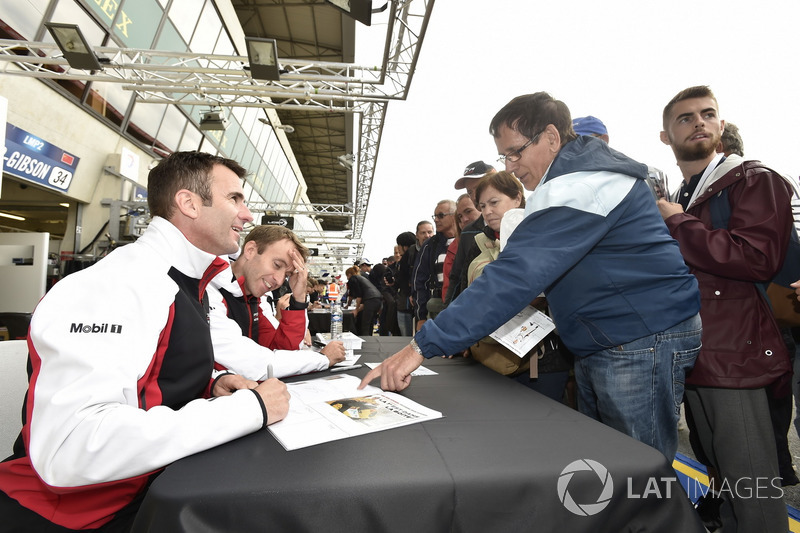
405,323
637,388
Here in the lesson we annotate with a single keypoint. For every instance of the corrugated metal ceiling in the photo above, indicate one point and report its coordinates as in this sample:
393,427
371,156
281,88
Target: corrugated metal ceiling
310,30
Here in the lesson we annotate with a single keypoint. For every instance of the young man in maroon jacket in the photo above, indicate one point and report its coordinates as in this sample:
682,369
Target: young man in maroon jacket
743,358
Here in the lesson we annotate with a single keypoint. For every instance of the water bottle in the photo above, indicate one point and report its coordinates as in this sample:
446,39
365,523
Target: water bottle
336,321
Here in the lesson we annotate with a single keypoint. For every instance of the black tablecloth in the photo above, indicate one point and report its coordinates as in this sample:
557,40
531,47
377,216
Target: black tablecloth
499,460
320,322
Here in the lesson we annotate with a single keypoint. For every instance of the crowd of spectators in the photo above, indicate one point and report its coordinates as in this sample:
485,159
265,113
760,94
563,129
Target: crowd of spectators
628,272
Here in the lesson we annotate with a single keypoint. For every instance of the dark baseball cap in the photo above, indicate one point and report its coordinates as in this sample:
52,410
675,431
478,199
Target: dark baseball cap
475,170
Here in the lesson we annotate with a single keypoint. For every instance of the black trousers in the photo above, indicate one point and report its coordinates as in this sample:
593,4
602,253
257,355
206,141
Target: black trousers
366,318
388,316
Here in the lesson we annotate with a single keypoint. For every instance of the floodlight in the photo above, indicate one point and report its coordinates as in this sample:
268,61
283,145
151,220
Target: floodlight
12,217
346,161
213,120
263,56
361,10
73,45
283,127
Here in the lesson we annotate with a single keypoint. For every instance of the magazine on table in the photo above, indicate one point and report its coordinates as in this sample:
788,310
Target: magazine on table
524,331
332,408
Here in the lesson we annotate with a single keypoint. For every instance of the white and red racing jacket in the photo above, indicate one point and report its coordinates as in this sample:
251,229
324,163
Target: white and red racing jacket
121,359
237,352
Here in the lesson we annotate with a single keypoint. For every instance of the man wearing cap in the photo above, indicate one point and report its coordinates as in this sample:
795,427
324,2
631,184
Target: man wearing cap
467,251
591,126
364,266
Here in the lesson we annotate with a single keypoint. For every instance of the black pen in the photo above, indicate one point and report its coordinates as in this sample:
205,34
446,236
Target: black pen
343,368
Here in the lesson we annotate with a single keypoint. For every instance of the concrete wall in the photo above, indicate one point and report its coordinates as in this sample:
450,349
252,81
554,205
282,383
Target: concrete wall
42,111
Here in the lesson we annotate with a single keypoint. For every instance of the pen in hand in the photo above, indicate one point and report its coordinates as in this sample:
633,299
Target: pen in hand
269,371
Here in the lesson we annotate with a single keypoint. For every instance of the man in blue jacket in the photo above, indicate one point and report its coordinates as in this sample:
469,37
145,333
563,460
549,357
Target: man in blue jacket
593,241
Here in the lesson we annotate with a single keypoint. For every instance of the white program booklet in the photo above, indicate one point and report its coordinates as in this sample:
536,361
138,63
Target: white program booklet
331,408
524,331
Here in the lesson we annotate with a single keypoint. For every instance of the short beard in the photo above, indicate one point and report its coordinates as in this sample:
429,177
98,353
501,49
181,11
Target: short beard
697,151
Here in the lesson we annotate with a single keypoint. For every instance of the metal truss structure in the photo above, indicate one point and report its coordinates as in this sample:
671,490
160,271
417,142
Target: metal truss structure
224,81
302,209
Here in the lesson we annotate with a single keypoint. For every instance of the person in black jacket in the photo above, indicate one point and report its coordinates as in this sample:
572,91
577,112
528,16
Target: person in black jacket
411,244
388,318
428,277
367,298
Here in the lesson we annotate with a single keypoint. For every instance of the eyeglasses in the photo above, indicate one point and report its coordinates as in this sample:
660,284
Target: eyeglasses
440,216
514,156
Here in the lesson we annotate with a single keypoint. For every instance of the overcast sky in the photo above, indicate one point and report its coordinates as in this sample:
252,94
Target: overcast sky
620,61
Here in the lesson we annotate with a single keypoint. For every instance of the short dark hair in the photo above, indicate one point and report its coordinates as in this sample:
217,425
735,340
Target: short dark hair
731,140
698,91
530,114
505,183
406,238
268,234
184,170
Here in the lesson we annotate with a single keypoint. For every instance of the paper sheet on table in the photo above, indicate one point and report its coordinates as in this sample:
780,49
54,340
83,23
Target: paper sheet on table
524,331
350,341
420,371
350,358
331,408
